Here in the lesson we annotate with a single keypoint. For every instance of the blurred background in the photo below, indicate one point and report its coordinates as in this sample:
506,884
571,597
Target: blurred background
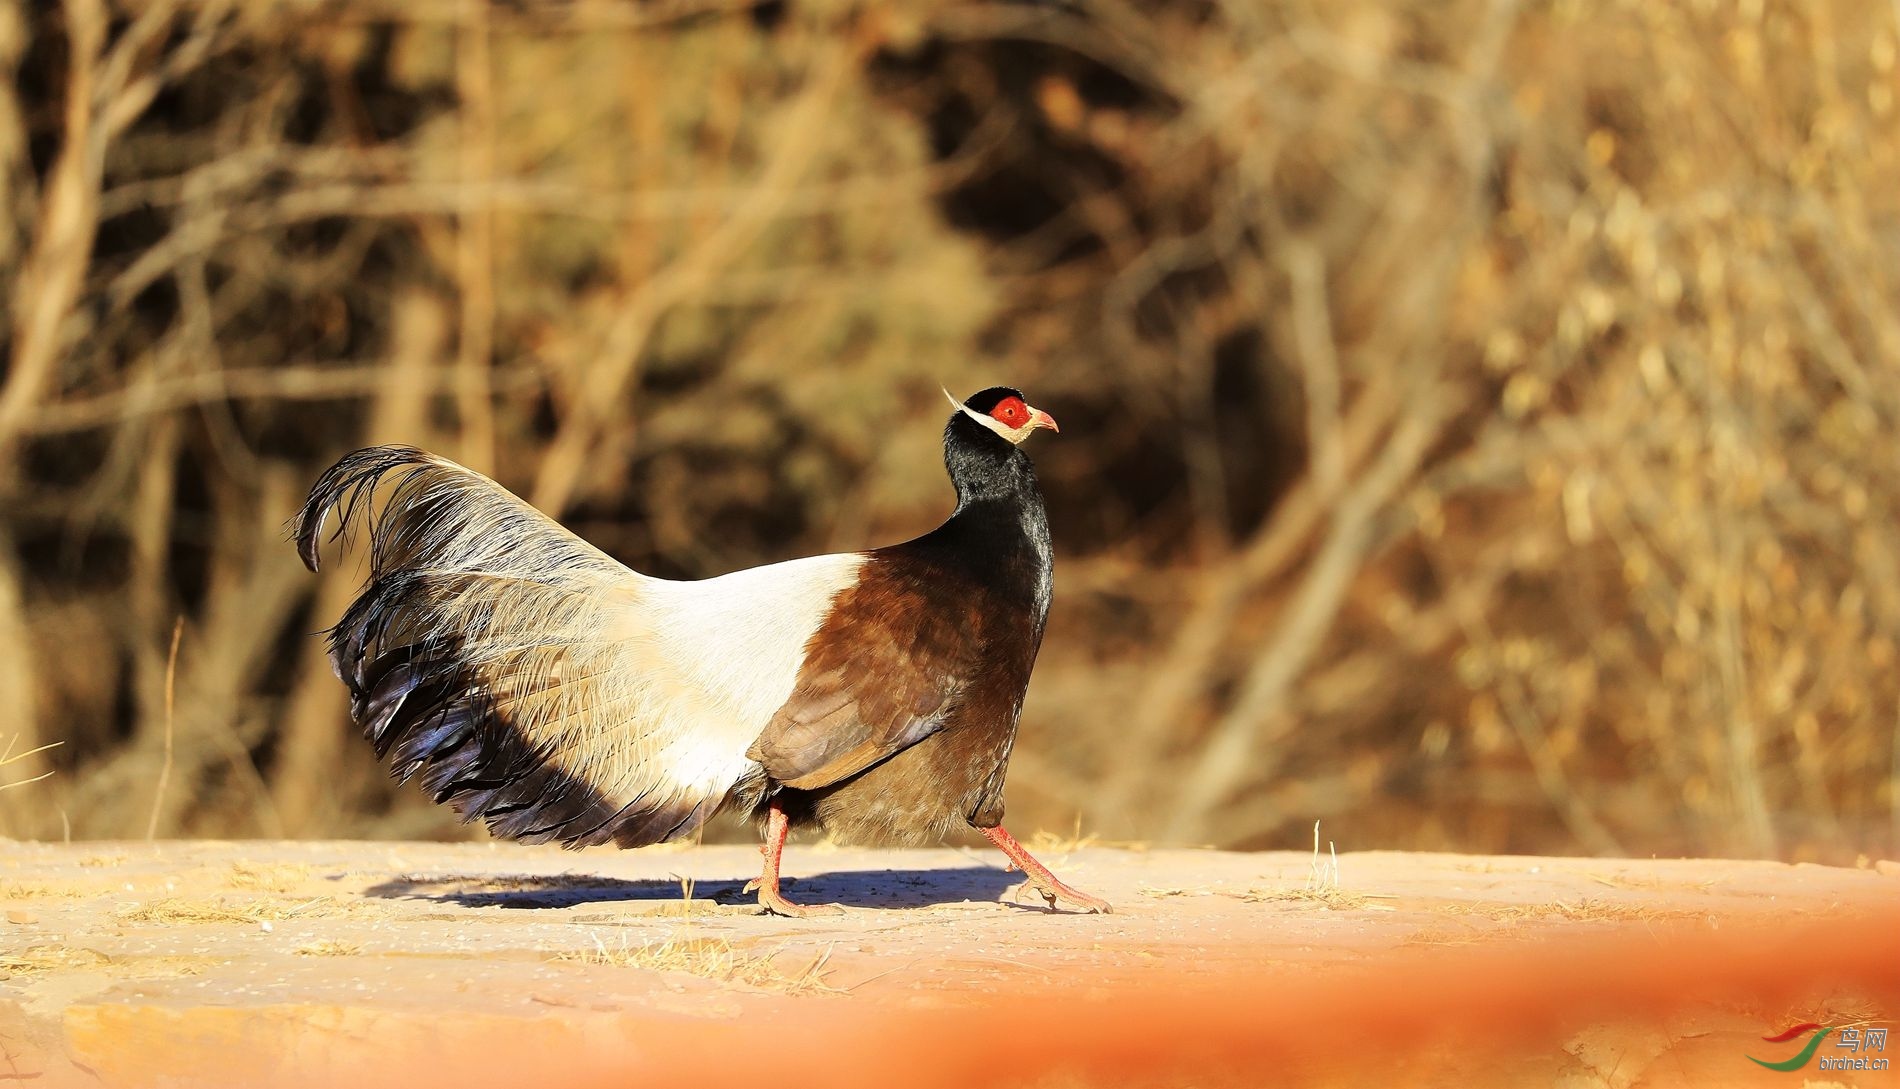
1479,418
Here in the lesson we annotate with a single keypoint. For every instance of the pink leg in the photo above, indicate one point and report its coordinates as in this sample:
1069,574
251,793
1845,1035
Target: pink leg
776,827
1039,876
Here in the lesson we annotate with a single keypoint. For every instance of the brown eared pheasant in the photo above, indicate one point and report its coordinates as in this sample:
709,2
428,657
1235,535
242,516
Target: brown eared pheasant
529,680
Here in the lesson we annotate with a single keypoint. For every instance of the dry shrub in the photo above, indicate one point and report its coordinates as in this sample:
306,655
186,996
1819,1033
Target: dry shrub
715,958
1479,418
1589,308
306,246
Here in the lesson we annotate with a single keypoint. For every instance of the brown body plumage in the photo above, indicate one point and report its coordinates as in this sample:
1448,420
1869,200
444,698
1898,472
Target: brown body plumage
530,680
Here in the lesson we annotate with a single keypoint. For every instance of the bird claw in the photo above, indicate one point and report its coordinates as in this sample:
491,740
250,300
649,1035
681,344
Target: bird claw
775,904
1055,892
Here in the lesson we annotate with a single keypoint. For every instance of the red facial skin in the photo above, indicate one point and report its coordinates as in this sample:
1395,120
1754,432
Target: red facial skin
1012,413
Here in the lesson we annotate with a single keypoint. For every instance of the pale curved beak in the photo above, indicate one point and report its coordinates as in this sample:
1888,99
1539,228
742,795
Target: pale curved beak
1039,418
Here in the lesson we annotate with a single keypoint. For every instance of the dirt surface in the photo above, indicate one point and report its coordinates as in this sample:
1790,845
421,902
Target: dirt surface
421,964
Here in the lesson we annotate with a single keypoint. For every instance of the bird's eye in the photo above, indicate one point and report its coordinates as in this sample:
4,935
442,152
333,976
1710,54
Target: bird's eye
1010,411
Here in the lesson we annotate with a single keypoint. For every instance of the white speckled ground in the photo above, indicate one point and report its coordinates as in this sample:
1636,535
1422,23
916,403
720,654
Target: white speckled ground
319,963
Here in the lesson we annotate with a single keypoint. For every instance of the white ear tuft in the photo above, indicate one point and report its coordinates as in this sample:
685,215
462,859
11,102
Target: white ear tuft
1014,435
951,397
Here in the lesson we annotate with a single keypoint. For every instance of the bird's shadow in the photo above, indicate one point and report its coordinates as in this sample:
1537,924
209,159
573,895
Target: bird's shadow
886,889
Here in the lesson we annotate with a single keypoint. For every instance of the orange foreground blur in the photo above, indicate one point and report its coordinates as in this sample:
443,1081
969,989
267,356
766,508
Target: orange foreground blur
1464,1015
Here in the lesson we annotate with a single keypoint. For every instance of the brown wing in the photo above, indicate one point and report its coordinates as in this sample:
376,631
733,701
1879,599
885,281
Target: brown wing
883,672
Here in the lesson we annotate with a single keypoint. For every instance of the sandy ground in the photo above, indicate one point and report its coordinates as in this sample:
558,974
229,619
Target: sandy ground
187,964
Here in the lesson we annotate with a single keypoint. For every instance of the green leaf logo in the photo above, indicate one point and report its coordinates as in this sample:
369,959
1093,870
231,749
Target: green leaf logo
1801,1057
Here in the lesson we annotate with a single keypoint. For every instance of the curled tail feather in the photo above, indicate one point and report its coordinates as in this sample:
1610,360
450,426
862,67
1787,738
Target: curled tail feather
495,656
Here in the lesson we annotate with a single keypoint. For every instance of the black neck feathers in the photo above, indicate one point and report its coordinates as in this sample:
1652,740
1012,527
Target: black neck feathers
985,466
999,529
